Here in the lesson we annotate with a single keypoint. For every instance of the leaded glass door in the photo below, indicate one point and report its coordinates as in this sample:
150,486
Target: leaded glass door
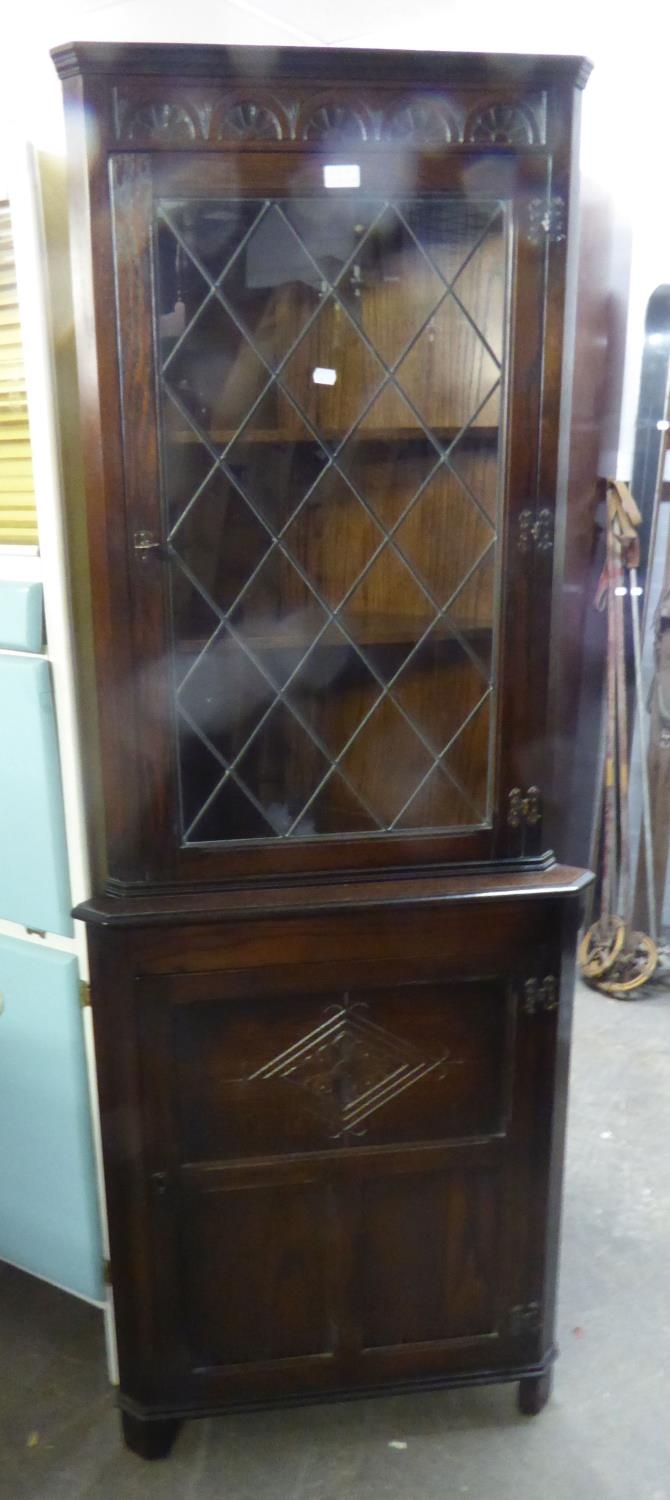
333,372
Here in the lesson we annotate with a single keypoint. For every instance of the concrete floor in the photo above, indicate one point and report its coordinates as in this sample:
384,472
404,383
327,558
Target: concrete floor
605,1435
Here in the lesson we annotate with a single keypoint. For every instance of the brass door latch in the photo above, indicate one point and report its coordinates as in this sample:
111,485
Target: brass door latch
524,807
536,529
540,995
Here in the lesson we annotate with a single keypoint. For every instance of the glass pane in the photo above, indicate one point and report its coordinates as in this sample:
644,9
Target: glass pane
387,761
219,567
213,377
278,612
332,374
334,690
203,236
440,554
333,537
388,458
388,613
332,397
419,689
274,459
390,257
274,287
223,698
449,372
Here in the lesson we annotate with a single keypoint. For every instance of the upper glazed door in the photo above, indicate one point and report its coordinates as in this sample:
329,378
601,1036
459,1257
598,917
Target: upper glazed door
332,388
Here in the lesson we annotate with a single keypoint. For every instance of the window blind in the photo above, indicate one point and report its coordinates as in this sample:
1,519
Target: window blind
18,519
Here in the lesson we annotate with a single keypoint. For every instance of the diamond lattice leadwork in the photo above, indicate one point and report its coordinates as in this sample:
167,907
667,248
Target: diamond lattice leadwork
332,388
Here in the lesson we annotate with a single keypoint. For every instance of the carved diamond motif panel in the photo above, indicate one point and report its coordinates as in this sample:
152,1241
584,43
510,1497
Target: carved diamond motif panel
347,1068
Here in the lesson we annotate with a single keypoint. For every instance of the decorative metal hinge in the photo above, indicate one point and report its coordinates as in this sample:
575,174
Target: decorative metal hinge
540,995
524,807
525,1318
546,217
536,528
84,994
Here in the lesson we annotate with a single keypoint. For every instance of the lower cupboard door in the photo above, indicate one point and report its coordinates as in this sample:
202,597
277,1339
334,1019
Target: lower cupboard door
258,1269
307,1282
335,1210
428,1246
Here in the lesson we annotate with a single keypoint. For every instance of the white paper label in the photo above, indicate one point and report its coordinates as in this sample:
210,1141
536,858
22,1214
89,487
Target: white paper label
342,177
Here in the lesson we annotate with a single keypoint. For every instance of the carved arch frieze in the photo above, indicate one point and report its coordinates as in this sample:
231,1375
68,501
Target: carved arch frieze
335,121
248,119
155,122
421,122
502,124
342,118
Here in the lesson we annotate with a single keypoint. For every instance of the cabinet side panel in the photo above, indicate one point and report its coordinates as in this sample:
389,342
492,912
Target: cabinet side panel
93,298
131,192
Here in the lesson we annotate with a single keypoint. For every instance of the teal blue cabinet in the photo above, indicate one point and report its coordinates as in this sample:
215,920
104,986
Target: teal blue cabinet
21,622
34,883
49,1218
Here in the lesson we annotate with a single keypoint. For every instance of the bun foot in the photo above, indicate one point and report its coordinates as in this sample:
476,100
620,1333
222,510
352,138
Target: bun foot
148,1439
534,1393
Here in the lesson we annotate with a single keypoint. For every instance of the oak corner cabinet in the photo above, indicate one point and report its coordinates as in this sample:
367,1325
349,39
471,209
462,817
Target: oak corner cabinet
321,320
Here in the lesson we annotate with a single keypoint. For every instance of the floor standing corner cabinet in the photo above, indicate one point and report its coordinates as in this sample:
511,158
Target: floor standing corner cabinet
320,305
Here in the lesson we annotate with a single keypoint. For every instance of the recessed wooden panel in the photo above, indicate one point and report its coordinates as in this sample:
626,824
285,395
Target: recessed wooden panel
255,1273
428,1247
278,1074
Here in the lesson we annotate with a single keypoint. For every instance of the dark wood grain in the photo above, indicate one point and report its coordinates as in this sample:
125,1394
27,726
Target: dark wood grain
334,63
534,1393
150,1440
131,199
332,1070
458,1160
472,886
385,749
596,318
100,419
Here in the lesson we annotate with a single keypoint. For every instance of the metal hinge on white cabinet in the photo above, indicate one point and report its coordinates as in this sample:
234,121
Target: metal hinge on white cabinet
84,994
107,1273
547,220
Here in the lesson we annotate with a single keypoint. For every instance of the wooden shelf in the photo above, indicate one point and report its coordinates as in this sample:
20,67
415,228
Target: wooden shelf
282,436
369,630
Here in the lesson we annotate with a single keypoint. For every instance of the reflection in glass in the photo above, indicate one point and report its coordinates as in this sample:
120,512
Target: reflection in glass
332,399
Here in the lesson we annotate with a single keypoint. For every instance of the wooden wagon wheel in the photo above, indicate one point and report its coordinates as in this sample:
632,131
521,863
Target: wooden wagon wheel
635,964
601,945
